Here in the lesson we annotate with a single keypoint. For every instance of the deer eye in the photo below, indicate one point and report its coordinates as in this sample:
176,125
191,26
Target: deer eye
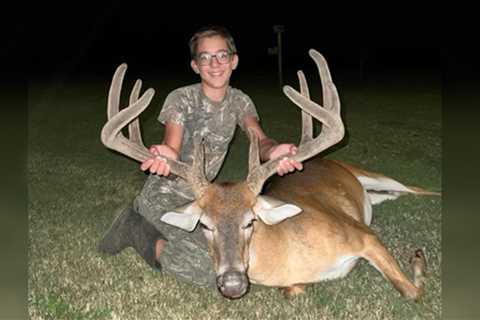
249,225
205,227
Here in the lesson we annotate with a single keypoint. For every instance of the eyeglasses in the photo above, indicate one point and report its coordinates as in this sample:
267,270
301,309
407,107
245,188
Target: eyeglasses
205,58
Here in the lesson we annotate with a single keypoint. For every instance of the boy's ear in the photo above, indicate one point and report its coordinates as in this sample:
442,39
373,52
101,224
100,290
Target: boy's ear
194,66
235,61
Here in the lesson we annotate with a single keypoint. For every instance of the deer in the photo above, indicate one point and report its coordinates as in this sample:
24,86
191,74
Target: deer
306,227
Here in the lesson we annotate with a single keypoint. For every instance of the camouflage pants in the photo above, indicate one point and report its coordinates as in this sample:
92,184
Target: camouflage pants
185,254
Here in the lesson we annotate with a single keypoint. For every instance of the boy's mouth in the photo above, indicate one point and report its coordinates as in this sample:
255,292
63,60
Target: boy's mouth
216,74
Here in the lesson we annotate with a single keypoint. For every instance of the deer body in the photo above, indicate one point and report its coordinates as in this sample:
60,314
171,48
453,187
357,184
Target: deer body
320,243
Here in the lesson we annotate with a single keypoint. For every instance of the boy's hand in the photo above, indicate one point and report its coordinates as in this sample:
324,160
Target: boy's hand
157,164
285,165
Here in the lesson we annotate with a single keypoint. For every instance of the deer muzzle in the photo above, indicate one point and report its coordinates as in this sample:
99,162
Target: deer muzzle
232,284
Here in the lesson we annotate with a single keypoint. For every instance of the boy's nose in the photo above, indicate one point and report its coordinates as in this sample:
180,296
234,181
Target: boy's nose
214,61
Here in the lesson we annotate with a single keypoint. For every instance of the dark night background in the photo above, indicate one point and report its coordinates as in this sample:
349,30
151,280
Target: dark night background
89,41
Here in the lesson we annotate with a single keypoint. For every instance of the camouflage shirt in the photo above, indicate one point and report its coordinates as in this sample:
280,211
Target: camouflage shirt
215,122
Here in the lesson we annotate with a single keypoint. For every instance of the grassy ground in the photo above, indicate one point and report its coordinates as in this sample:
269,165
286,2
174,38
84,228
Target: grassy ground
76,188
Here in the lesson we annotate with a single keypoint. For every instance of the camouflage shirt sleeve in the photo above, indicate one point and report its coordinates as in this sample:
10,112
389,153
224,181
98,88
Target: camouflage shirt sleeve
173,108
244,107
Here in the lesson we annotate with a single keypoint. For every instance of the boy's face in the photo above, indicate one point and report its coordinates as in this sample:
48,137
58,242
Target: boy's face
216,72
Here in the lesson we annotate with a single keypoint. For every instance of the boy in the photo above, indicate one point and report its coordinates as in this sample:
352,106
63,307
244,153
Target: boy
211,109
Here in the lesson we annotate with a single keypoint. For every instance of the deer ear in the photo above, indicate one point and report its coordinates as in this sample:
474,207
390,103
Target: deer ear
185,217
272,211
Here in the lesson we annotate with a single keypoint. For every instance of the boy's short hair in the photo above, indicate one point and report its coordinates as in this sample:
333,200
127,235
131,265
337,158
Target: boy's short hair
211,31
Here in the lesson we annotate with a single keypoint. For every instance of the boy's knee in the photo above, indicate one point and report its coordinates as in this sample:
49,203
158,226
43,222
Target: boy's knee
187,262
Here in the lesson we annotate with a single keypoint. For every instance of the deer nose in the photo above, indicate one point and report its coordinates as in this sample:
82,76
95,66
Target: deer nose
232,284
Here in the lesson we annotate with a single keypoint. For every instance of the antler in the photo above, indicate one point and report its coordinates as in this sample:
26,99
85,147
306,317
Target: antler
332,128
133,147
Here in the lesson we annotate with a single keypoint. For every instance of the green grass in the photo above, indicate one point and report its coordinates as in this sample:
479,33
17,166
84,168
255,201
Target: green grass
76,188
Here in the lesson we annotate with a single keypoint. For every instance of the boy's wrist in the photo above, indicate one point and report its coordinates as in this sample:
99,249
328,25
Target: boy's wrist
164,150
266,147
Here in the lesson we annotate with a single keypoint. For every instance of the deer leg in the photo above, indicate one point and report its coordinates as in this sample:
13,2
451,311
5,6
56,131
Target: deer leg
293,291
376,253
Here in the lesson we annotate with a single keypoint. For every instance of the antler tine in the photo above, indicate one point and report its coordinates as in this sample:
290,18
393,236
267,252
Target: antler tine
112,136
307,123
326,80
115,89
332,130
134,127
253,154
198,178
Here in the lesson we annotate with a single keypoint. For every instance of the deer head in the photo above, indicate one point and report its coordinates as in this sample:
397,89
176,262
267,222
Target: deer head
229,211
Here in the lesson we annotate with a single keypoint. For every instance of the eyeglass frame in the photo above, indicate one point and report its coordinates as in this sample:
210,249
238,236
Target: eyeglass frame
210,56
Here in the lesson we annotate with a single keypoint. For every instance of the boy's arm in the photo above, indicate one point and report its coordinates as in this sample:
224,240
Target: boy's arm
173,136
170,148
270,149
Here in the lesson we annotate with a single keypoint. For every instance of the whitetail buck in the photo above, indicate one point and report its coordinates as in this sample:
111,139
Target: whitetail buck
311,225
